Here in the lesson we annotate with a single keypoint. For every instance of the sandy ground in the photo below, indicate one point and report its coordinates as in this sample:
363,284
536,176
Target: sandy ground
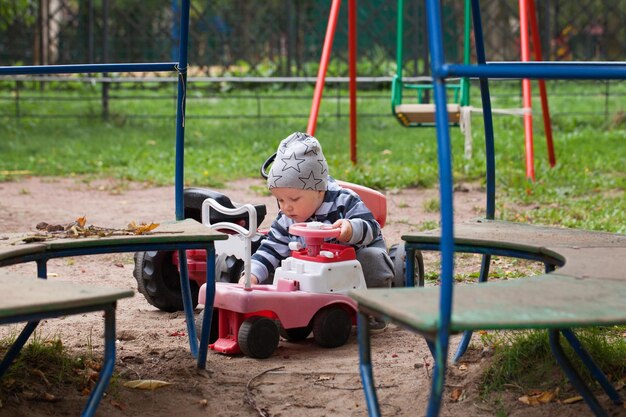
300,379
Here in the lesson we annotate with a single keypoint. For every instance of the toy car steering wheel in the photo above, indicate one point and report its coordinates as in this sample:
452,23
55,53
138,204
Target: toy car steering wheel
314,230
314,234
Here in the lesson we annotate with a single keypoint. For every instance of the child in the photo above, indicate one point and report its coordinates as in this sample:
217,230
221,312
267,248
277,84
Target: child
305,192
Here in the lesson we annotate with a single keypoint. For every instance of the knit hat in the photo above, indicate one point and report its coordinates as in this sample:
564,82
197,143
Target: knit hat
299,163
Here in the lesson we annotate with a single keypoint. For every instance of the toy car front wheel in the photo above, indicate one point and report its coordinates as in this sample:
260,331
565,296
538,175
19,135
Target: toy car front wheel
397,253
159,281
258,337
332,326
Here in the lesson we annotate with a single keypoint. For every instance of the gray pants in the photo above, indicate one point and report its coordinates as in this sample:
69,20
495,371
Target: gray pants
377,265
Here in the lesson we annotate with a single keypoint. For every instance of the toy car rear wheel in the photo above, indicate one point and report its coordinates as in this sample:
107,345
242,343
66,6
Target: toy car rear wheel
296,334
332,326
228,268
258,337
397,253
214,325
159,281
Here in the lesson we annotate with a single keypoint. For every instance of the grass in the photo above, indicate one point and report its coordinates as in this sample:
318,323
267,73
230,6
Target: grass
45,367
524,359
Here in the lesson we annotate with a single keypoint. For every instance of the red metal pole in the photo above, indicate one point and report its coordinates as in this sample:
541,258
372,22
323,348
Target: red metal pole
545,109
526,91
321,73
352,69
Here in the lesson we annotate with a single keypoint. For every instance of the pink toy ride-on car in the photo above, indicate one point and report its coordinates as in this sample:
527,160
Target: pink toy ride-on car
308,293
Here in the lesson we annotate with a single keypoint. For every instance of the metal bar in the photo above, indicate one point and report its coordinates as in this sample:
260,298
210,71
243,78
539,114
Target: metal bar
208,308
321,74
572,375
467,21
543,94
409,272
12,353
589,363
41,257
536,70
107,366
435,41
467,335
510,253
527,91
490,158
352,45
179,181
82,68
187,302
365,365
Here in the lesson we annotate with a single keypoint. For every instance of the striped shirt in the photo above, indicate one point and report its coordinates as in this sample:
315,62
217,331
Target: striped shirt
339,203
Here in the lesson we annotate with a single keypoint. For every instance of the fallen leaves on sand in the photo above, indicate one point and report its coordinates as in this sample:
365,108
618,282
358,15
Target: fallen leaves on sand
78,228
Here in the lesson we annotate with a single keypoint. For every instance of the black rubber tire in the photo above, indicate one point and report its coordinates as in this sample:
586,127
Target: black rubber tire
214,325
397,253
258,337
159,281
296,334
332,326
228,268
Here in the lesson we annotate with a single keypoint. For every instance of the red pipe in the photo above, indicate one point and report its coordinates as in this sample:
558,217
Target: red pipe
352,69
545,109
321,73
526,91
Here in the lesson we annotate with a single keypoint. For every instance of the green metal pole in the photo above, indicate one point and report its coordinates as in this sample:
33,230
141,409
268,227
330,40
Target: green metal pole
465,95
396,87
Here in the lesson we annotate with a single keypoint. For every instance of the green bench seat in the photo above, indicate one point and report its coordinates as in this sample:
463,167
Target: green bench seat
25,299
587,288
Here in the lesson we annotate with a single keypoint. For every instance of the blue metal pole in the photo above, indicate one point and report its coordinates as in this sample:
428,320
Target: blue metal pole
109,363
180,110
208,308
175,32
588,361
435,40
365,367
187,302
86,68
572,375
541,70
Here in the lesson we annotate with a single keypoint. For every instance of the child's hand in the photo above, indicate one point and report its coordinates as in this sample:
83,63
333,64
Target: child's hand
253,280
346,229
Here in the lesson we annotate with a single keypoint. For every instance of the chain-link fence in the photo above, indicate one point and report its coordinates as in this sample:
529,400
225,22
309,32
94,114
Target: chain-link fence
284,37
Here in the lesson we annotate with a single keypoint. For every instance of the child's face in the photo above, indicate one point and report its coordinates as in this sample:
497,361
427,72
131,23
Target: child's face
298,205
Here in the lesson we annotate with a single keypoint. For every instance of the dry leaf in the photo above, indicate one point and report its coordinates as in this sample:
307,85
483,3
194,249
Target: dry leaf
81,221
538,397
572,400
148,384
142,228
457,395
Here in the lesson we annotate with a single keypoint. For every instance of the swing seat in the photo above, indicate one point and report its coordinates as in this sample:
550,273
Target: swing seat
417,114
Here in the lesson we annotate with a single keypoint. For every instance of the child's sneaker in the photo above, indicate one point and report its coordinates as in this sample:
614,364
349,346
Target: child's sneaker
377,325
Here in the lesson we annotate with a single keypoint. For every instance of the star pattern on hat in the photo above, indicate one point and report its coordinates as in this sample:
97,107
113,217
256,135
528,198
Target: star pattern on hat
276,178
322,163
292,162
310,147
310,182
